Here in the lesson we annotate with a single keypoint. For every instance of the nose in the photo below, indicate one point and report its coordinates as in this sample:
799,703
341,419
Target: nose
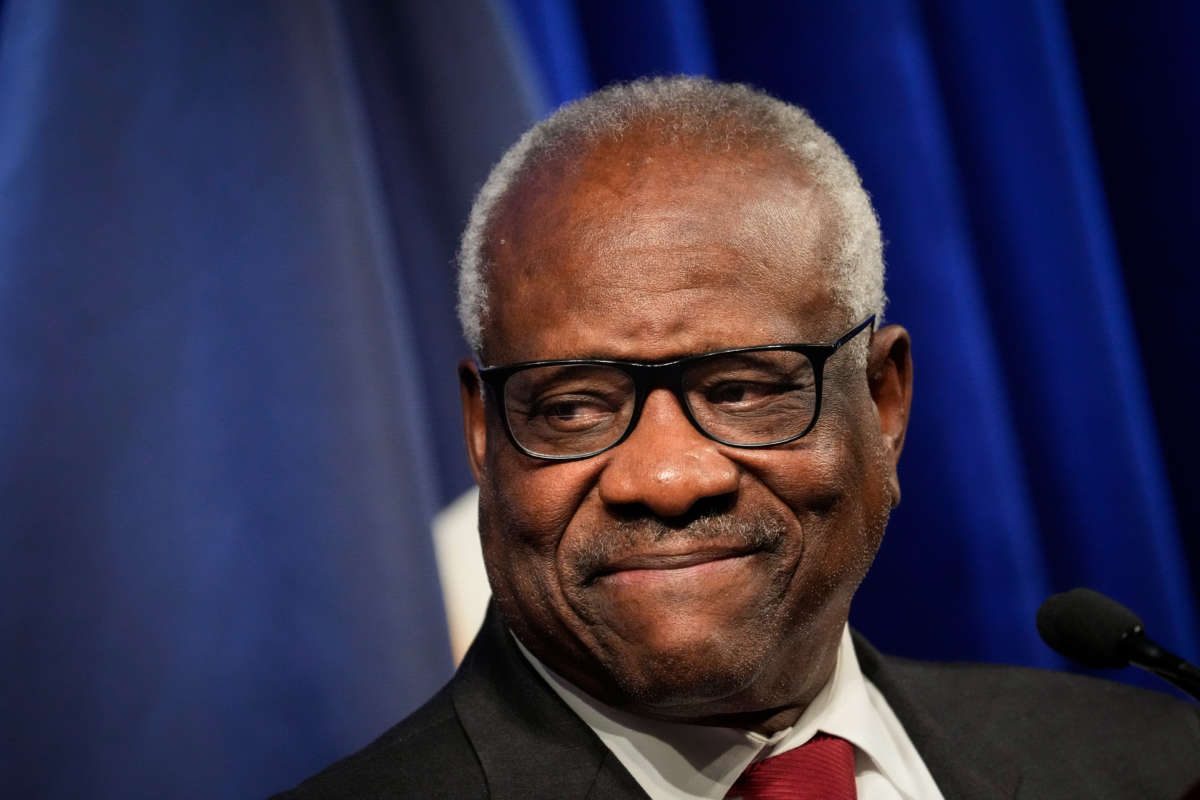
666,465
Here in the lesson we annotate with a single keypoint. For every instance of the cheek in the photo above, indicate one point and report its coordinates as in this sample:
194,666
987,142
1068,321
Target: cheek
835,485
813,478
855,523
526,505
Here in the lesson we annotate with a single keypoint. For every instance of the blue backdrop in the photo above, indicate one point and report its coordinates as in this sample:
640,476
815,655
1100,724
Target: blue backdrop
228,406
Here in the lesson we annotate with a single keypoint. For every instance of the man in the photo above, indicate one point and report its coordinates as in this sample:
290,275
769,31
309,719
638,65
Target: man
678,501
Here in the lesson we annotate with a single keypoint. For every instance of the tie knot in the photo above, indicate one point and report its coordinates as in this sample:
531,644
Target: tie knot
820,769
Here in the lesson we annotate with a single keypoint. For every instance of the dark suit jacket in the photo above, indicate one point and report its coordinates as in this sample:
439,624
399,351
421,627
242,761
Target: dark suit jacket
497,731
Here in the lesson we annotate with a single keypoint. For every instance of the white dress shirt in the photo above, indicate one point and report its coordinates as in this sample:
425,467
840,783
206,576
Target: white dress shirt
680,761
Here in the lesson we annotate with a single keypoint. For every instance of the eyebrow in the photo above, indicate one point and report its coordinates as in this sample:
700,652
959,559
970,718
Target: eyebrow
624,359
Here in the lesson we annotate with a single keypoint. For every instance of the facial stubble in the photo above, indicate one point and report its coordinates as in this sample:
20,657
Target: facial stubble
660,680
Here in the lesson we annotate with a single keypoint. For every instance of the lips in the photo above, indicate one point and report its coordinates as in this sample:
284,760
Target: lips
648,546
666,561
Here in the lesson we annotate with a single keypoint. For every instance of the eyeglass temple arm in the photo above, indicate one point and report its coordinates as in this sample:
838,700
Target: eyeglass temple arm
855,331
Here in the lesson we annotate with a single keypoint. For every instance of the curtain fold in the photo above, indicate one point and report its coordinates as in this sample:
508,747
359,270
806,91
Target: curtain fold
220,451
1138,69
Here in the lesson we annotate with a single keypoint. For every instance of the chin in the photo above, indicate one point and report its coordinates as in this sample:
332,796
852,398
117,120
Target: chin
743,669
687,680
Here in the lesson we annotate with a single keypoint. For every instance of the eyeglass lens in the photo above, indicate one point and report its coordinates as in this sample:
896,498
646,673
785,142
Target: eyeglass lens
751,398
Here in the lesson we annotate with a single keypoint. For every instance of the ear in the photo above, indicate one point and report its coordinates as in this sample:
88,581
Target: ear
889,375
474,416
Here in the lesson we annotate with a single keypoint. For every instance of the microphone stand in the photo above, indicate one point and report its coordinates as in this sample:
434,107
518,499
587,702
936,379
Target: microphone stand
1143,652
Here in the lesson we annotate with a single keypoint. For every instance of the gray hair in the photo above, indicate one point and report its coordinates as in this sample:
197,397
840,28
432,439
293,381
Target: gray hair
698,111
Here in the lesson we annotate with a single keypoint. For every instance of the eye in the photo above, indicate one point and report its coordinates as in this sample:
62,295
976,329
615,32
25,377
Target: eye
733,395
564,409
570,413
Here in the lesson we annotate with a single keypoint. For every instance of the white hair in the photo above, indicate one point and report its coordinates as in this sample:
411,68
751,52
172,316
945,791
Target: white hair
696,112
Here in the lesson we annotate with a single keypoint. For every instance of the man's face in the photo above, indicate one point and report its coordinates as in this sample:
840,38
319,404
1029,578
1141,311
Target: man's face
673,575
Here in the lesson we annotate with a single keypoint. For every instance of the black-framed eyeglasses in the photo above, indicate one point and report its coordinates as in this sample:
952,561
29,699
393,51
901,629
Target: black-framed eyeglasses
744,397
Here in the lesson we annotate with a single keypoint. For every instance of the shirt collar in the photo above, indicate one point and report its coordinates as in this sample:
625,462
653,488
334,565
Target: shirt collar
699,762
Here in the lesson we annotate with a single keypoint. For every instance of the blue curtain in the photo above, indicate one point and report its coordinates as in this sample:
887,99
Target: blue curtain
224,320
227,400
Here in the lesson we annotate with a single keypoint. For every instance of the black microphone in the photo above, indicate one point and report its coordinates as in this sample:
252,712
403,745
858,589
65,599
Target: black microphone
1097,631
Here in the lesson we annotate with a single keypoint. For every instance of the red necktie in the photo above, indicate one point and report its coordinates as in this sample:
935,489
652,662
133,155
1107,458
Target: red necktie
820,769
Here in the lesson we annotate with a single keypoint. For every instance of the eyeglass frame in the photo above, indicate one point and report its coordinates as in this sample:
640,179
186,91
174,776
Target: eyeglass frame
648,376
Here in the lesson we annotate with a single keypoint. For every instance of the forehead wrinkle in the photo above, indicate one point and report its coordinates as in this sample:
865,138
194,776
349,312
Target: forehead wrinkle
644,330
620,190
768,215
610,246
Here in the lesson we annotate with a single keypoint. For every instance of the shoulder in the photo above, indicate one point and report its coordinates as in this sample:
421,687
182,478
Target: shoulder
1021,696
426,755
1104,739
1016,697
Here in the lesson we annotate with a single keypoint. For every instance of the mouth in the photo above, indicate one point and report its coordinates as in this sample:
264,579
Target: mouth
672,564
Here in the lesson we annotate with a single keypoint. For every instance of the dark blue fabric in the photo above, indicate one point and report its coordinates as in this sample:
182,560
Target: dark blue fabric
445,91
220,433
1138,66
1047,261
552,32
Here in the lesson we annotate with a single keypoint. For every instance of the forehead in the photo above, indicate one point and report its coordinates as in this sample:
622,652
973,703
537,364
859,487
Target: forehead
655,251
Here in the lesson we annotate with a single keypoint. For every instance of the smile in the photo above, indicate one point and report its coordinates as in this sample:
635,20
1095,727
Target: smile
693,563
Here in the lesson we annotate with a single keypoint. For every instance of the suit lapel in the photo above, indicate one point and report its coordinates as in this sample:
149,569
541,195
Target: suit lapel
965,765
529,743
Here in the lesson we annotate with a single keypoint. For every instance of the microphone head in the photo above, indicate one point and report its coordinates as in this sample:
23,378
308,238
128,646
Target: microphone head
1087,627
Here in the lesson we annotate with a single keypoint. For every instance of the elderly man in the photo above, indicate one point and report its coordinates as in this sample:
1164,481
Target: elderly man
685,420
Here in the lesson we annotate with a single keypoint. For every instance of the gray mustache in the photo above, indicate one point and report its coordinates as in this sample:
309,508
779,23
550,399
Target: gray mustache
762,529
